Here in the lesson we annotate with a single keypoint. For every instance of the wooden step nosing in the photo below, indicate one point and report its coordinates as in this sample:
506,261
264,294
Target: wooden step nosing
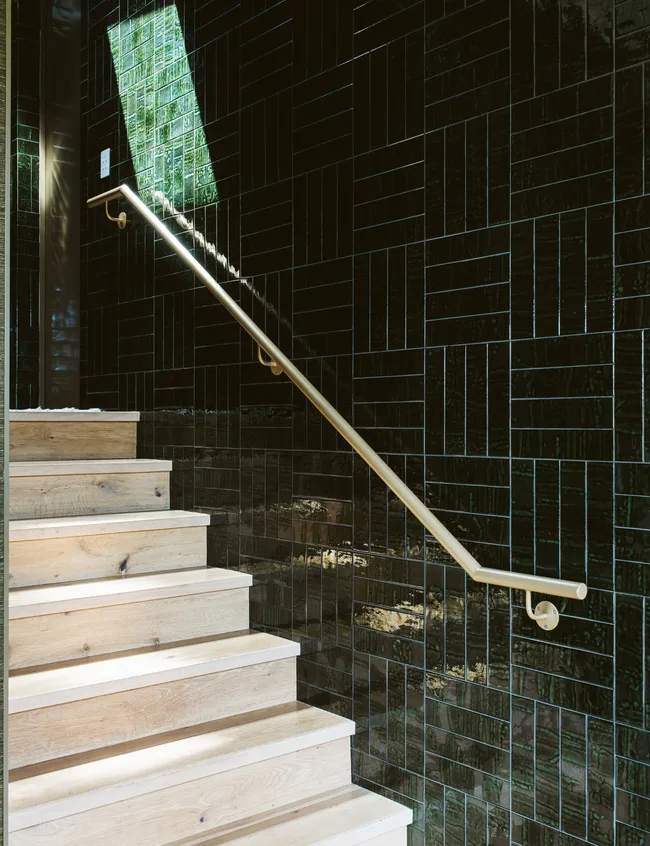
78,416
362,833
217,585
367,816
88,467
138,680
385,821
174,776
50,528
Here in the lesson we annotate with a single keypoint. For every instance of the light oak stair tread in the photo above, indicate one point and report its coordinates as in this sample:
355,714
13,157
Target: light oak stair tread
76,596
88,679
100,524
48,792
88,467
78,416
348,817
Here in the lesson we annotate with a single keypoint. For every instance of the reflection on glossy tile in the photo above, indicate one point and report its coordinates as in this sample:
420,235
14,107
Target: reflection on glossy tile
24,210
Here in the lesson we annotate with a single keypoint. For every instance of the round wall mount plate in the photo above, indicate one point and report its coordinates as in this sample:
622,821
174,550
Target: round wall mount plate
553,616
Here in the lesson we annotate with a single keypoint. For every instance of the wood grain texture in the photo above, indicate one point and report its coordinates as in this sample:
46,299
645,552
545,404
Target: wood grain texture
51,440
102,593
73,681
53,560
165,816
347,817
106,493
75,727
392,838
47,528
60,788
86,633
88,467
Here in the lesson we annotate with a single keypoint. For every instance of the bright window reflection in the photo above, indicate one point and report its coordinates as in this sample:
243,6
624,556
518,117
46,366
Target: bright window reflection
161,112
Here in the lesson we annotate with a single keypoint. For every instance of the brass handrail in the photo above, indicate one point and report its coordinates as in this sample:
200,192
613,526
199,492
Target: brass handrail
545,614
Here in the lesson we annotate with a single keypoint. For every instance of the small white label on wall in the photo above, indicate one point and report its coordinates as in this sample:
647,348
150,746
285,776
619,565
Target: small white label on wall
105,163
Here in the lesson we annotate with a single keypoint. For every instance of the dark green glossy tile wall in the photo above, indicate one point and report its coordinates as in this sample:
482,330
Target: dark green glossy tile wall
24,208
441,210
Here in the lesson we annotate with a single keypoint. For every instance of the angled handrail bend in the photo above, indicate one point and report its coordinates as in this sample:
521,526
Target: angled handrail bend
545,614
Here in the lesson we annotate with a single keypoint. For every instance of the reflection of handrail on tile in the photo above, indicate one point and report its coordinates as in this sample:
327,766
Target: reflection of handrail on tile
545,614
199,238
211,249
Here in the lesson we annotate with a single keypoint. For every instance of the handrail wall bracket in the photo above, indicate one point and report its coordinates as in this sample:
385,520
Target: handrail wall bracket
276,370
120,219
546,615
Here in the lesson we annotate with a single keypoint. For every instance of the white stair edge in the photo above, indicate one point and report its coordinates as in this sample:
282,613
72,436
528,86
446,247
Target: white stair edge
87,467
90,679
116,778
47,528
102,593
350,816
40,415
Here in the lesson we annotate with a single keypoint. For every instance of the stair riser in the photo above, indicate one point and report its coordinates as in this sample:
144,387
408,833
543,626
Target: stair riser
218,800
52,560
71,440
99,631
60,730
72,496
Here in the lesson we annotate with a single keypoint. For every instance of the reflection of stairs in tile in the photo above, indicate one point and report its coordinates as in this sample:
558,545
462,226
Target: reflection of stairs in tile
142,711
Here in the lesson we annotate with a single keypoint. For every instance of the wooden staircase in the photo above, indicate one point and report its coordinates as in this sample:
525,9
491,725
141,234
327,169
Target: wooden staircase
142,710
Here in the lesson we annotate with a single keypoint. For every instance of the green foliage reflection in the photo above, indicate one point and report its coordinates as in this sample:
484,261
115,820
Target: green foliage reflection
161,113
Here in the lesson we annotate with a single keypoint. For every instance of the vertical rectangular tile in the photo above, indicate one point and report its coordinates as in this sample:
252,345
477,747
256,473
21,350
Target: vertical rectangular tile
476,399
455,391
522,27
573,744
547,483
572,273
600,37
629,659
628,399
455,181
455,826
629,131
435,617
476,183
599,282
498,399
499,166
547,270
547,764
600,782
572,41
523,280
547,47
523,756
455,609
